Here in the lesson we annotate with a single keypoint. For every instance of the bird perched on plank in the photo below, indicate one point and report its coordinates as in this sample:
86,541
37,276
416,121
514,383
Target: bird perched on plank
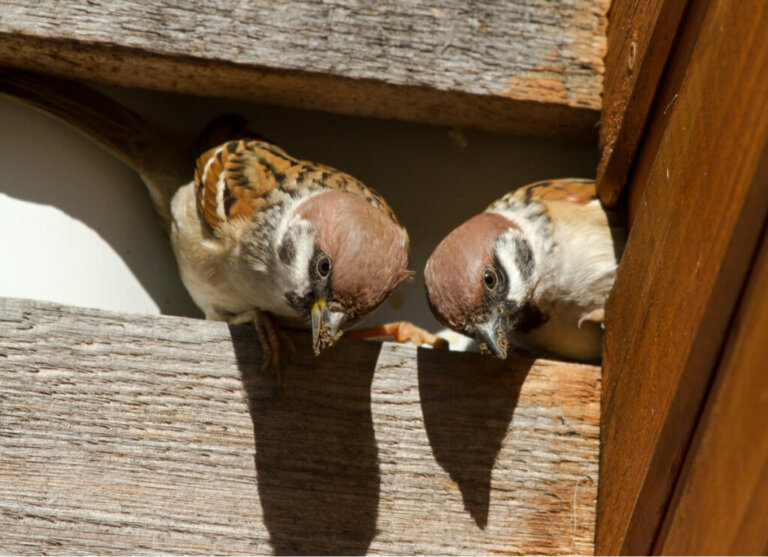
532,271
258,234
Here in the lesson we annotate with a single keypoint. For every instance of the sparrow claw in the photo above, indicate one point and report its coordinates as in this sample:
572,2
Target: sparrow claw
401,331
270,338
596,316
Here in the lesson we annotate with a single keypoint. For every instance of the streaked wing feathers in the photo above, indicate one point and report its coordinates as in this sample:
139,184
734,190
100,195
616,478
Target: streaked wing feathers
234,180
572,190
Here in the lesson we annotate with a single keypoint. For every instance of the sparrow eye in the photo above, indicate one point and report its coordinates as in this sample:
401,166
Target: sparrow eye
490,279
323,266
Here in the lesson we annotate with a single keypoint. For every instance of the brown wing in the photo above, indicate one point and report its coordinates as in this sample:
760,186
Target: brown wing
231,182
544,196
572,190
549,196
234,181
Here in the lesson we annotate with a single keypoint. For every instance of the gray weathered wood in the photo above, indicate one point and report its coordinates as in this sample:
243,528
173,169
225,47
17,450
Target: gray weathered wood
532,66
133,434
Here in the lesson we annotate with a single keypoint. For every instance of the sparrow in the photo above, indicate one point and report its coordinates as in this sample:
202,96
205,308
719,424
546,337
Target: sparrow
259,236
532,271
260,232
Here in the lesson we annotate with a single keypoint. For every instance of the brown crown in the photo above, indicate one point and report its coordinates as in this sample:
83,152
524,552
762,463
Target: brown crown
453,274
368,249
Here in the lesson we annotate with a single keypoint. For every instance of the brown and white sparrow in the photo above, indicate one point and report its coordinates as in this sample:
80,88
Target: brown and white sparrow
256,232
533,271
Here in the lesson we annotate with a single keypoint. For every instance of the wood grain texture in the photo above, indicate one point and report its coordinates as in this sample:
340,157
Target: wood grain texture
640,36
677,69
704,202
132,434
532,67
721,499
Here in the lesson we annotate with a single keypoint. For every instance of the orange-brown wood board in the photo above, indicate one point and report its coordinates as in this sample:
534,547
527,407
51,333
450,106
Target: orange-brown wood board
700,204
640,36
721,499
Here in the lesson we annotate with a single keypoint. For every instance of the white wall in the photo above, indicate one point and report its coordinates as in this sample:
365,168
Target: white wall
76,225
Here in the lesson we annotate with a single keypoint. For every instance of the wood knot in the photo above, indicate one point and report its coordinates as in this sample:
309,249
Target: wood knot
631,56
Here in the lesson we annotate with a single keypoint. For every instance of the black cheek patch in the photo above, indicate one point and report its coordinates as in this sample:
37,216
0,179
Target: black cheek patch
287,251
301,304
524,258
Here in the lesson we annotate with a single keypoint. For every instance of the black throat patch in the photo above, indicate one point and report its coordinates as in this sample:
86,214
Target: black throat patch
526,317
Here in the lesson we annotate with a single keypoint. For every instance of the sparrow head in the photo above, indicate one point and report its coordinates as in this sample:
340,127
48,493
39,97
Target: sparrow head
357,255
480,281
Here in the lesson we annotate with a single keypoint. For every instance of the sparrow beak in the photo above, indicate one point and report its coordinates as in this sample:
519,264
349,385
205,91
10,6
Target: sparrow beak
326,326
492,335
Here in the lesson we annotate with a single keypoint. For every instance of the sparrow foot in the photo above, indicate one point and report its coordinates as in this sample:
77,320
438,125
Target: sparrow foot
596,316
270,338
401,331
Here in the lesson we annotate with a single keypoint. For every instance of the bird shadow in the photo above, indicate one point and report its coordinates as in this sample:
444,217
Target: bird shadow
467,411
317,469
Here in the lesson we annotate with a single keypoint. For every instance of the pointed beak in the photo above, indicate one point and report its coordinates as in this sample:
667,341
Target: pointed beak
326,326
492,335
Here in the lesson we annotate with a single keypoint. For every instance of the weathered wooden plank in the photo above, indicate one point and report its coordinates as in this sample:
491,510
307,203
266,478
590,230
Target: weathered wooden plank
532,67
126,434
640,36
721,498
704,203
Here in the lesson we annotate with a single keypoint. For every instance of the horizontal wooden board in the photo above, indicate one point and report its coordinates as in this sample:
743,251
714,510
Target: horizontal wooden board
136,434
532,67
703,204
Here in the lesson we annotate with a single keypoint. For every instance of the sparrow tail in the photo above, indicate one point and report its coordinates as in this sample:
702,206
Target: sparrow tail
163,159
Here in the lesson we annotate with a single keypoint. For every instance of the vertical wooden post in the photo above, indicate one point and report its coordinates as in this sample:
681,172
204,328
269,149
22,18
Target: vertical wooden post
720,504
700,200
640,37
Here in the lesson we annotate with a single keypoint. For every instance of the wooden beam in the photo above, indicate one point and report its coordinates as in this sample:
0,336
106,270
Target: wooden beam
530,67
126,434
721,499
703,205
640,36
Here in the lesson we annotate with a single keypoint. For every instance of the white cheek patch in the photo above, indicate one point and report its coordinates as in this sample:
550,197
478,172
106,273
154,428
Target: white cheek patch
296,246
506,253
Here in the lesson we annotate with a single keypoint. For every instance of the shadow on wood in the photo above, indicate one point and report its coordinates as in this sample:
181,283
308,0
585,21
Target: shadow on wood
316,428
320,425
467,411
